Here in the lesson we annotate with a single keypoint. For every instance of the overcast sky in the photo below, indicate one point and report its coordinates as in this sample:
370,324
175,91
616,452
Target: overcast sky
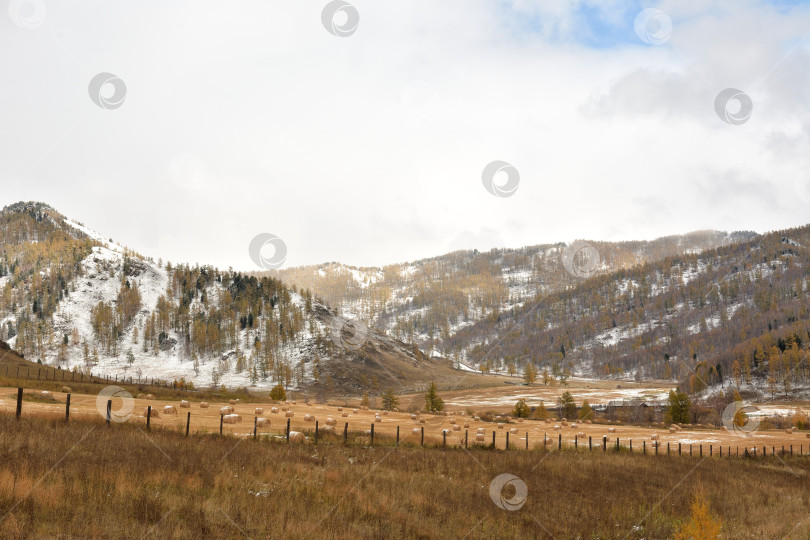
241,118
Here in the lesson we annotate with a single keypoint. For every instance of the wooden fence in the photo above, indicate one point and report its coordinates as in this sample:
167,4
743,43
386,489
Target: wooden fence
549,444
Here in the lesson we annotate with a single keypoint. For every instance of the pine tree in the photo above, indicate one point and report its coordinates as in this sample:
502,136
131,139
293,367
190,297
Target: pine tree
567,405
278,393
678,409
389,400
521,410
540,413
586,412
529,375
433,403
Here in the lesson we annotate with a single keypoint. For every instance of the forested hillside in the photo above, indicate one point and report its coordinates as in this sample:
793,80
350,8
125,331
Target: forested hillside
70,298
737,314
430,300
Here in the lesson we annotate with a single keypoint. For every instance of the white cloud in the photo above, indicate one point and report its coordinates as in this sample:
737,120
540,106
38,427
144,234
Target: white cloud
249,117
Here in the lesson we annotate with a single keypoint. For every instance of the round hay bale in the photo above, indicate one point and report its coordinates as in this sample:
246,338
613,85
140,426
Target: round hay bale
421,420
456,427
340,409
232,401
355,411
500,425
557,427
203,405
185,404
66,390
513,431
289,414
285,408
452,420
169,409
227,409
378,419
153,414
466,424
262,422
344,414
309,418
232,419
274,410
331,422
416,431
258,410
328,429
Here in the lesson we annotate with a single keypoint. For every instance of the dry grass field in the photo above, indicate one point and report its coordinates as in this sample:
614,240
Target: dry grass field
84,480
207,421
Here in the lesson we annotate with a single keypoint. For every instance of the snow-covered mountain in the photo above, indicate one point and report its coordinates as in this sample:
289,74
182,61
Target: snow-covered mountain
70,298
431,301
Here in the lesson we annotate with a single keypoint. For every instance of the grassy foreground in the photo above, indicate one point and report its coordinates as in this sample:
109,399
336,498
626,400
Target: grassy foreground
86,480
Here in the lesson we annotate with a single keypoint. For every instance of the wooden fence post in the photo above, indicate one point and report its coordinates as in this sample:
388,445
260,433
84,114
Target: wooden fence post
444,439
288,429
397,436
644,447
346,433
422,443
604,443
466,432
221,419
372,434
188,424
507,440
67,409
149,419
19,402
559,442
493,440
631,445
316,432
527,440
617,444
109,411
590,443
